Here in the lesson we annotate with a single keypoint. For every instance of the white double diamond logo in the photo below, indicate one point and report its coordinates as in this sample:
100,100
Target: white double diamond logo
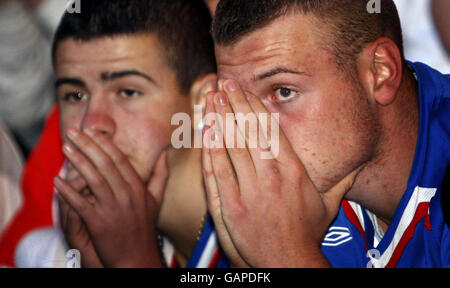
337,236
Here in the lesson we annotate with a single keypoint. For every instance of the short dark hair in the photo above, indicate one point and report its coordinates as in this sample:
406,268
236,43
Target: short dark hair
182,28
348,24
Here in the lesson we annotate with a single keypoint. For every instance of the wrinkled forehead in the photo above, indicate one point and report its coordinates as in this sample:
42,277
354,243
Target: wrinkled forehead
287,39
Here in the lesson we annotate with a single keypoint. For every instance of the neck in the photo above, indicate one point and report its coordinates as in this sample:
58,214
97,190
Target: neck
384,179
184,204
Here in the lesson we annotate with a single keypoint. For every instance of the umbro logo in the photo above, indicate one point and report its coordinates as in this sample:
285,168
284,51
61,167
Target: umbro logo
336,236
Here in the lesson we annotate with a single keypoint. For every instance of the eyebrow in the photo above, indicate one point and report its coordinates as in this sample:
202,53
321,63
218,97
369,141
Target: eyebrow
71,81
275,71
121,74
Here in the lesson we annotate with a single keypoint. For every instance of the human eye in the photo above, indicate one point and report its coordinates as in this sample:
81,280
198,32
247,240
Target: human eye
74,97
130,93
284,94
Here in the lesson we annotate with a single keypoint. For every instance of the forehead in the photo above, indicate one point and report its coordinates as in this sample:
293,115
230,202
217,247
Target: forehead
139,51
288,39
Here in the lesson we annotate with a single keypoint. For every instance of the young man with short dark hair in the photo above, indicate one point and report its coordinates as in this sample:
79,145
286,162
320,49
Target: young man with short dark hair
364,139
123,69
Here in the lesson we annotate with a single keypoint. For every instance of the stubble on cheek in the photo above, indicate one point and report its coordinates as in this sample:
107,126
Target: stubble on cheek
356,139
366,124
332,143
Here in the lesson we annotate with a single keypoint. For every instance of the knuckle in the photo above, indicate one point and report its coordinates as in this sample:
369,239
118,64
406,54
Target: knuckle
272,179
207,173
127,200
235,212
225,173
99,182
273,174
81,207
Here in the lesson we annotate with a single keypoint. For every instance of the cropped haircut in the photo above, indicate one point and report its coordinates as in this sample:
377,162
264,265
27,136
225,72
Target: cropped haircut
182,28
346,26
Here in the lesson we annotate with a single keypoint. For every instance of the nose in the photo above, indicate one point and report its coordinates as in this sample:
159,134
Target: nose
98,117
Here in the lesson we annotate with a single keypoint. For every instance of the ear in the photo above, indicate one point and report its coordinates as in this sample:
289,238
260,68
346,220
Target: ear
199,90
201,87
380,67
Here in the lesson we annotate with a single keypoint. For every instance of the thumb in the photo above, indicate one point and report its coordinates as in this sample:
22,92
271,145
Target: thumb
333,197
158,180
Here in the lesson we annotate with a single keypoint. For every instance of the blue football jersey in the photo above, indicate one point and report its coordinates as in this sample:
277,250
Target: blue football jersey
417,235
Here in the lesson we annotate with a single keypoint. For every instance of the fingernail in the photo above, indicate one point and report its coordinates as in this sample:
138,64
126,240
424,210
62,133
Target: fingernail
72,133
89,132
230,86
68,149
221,99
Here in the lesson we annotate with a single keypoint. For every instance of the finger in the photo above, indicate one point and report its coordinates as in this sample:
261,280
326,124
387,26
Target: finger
212,191
280,147
74,225
225,176
224,173
74,178
158,180
72,173
334,196
120,160
99,186
238,104
209,180
215,210
104,164
78,183
240,156
75,200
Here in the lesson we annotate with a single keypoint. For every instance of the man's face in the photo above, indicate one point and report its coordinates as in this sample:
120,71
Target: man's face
326,117
123,88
